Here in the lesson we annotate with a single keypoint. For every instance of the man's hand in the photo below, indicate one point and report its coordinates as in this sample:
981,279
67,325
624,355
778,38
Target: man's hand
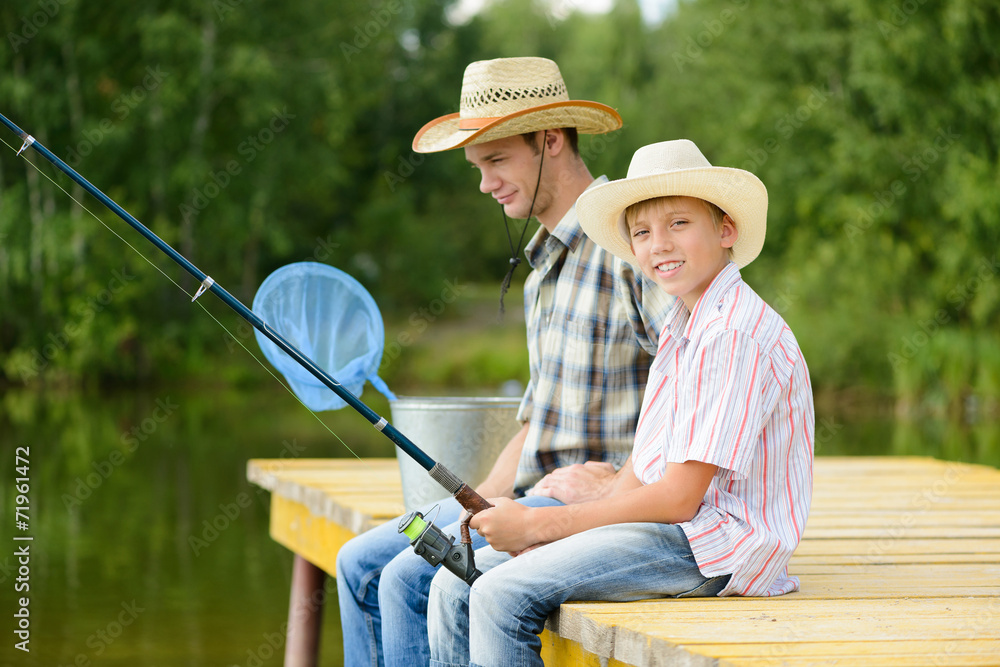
577,483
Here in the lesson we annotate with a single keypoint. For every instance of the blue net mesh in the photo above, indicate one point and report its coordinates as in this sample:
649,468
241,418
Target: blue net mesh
330,318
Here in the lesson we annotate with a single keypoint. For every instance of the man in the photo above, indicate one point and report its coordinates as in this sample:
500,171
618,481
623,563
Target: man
591,339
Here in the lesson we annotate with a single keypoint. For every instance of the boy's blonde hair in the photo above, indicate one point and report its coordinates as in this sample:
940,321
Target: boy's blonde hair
636,209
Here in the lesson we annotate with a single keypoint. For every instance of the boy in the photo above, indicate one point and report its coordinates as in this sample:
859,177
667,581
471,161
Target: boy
591,327
721,479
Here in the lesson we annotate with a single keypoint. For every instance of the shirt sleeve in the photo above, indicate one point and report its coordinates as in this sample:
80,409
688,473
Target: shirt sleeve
721,409
527,403
646,304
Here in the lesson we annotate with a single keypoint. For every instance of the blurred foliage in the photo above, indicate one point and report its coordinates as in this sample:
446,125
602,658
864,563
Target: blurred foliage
253,134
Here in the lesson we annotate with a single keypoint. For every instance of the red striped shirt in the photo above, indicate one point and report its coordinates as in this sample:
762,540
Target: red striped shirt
729,386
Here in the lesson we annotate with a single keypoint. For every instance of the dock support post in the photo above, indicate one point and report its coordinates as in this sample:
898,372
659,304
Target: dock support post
305,614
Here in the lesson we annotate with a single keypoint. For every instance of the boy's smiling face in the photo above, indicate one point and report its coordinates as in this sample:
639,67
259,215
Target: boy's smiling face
679,246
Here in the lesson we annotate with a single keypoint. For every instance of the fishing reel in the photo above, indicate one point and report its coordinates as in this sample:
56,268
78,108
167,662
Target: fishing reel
437,547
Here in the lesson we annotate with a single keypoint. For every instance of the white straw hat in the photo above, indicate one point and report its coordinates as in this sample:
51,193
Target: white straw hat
510,96
675,169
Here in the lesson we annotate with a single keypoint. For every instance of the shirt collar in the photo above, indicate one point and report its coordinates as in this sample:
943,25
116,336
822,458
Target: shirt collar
708,305
680,319
568,232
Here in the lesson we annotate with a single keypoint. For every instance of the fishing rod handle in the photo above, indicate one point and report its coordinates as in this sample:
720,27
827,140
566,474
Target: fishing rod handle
470,500
463,493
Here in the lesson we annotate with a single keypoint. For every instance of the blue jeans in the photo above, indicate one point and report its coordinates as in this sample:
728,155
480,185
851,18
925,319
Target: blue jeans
383,587
498,620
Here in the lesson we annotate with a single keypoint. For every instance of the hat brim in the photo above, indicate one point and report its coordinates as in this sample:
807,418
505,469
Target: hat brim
444,133
739,193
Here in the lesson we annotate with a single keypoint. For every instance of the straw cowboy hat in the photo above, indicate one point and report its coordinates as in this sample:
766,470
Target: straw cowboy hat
509,96
675,169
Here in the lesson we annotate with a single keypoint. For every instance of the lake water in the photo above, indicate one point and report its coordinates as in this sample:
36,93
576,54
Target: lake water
149,547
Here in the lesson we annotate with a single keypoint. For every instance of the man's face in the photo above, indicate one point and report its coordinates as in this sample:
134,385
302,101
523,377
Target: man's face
509,171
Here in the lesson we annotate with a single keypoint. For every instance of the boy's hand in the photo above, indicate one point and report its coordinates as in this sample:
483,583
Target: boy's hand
506,526
577,483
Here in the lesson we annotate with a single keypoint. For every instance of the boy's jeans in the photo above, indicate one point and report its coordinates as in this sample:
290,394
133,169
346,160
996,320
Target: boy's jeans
382,588
500,622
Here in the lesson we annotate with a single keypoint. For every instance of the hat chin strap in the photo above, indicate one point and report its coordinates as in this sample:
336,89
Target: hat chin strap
515,252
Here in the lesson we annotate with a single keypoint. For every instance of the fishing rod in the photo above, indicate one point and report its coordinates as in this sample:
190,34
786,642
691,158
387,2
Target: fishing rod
428,541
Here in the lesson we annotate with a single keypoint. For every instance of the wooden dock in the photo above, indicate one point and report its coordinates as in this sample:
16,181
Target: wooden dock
899,564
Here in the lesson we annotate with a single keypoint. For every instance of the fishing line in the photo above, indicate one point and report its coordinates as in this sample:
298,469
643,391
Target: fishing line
201,305
429,542
459,557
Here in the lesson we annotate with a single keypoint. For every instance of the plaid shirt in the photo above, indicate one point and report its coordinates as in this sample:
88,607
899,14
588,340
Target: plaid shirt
592,330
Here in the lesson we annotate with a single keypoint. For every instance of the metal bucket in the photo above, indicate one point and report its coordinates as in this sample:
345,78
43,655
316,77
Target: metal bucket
466,435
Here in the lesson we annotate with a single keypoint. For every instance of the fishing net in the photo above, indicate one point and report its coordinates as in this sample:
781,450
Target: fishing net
332,320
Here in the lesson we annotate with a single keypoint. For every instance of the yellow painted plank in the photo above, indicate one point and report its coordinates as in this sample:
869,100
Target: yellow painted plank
787,619
898,546
794,647
903,580
936,576
912,533
293,464
560,652
891,520
843,588
894,559
265,472
981,505
962,572
824,649
868,661
793,603
936,484
314,538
